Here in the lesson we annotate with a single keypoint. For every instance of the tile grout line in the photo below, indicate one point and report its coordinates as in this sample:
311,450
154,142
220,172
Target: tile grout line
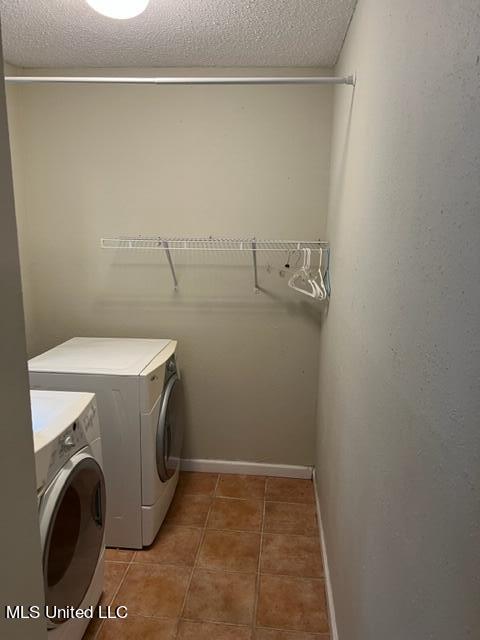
131,561
186,526
293,502
197,555
204,529
236,572
257,578
262,532
274,533
314,634
115,592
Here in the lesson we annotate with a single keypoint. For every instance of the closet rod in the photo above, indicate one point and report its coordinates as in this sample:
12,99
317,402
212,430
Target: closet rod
183,80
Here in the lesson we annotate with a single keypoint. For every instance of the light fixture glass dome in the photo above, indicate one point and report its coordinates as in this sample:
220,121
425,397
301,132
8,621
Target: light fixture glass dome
119,9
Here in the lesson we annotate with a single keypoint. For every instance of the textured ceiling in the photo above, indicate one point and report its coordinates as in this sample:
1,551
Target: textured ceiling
176,33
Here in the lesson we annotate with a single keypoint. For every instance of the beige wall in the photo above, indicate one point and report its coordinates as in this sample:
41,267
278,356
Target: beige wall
20,556
399,401
227,161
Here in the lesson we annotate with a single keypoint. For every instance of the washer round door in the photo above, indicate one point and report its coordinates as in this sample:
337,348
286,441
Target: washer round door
169,431
72,525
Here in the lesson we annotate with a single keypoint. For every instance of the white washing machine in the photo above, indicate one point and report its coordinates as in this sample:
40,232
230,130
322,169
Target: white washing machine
71,504
136,383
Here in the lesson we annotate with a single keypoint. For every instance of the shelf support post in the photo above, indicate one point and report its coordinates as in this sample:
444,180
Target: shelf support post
170,262
255,272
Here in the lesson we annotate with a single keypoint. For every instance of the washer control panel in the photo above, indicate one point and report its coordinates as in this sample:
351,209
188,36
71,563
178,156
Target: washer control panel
75,437
71,440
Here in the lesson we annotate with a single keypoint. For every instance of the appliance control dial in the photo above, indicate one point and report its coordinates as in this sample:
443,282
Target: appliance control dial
68,442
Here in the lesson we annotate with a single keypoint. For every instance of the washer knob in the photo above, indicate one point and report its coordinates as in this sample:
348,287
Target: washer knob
69,442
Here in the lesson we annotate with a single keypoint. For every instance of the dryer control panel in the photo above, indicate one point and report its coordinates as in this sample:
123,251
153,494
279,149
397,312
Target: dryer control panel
75,437
55,452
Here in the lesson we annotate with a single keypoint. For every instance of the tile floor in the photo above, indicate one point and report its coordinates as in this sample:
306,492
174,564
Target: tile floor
238,558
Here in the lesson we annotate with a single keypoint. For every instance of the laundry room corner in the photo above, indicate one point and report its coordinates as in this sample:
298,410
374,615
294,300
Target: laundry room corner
240,363
225,161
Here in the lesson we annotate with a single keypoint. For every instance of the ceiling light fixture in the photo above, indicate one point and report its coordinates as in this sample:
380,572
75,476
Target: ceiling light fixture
119,9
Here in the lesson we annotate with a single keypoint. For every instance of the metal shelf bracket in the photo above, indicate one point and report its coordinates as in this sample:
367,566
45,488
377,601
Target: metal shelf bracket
170,262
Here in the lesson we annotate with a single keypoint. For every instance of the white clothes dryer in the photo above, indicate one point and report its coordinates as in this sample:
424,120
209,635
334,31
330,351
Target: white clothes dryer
136,383
71,506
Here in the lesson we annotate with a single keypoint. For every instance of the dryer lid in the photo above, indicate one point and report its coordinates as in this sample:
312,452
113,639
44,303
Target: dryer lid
51,407
102,356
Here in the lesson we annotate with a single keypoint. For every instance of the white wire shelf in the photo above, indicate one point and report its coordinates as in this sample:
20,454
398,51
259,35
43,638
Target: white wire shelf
211,244
252,245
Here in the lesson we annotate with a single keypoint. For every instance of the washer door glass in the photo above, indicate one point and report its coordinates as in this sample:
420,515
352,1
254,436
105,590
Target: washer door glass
169,431
72,521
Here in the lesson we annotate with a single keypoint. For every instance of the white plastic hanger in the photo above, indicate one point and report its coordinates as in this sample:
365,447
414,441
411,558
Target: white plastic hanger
302,276
315,286
322,291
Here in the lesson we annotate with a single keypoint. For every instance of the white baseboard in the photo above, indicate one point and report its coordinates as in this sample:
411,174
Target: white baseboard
247,468
328,583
